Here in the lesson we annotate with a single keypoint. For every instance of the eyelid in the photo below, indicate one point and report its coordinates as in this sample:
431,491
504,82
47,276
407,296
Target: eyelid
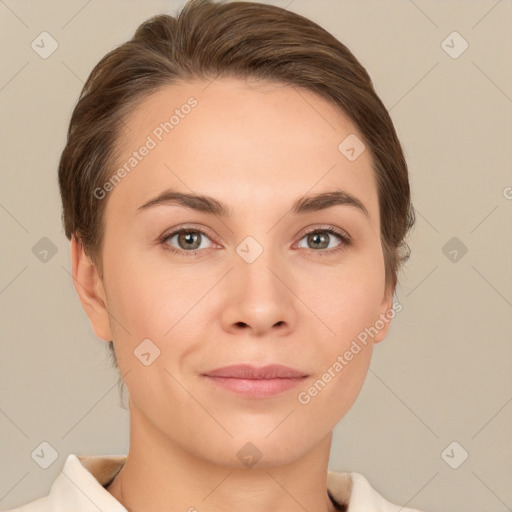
325,227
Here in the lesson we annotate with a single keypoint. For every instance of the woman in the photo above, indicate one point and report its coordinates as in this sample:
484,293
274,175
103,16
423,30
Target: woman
252,135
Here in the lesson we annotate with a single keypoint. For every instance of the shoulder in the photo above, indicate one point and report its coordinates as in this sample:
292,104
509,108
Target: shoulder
354,490
80,486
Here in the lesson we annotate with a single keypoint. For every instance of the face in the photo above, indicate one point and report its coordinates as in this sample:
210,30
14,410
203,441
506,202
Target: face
260,283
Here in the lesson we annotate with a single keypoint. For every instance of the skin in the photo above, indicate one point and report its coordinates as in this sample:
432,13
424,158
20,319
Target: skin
256,147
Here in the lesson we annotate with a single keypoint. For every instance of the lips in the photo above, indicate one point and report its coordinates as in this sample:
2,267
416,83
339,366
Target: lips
247,371
255,382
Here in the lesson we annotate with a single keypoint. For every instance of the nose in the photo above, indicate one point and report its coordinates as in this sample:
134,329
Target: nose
259,298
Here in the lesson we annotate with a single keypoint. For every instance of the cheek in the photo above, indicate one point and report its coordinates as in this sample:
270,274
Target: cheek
149,298
139,297
156,299
332,391
346,298
347,303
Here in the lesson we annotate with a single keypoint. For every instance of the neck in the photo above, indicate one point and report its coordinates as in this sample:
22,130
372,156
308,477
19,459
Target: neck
160,474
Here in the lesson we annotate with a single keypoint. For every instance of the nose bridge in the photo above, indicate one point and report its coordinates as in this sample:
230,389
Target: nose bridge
256,295
256,264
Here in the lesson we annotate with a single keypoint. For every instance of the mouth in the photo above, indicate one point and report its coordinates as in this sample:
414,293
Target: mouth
253,382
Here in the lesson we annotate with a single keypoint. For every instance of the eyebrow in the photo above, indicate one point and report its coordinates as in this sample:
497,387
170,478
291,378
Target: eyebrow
207,204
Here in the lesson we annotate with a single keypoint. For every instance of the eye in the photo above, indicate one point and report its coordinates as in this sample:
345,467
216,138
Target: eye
320,238
188,240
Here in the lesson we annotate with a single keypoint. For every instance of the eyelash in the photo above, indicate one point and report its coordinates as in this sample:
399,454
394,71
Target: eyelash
345,239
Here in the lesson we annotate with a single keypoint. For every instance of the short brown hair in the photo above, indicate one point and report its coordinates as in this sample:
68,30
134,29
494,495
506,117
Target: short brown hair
236,39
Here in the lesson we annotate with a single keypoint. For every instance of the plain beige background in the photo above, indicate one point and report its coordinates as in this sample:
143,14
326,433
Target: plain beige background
441,376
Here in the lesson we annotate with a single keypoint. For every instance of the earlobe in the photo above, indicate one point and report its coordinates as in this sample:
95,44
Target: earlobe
91,292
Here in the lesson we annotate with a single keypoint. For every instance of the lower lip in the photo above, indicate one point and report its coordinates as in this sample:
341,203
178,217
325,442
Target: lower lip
256,388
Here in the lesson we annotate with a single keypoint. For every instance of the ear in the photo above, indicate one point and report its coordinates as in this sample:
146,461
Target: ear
386,313
91,292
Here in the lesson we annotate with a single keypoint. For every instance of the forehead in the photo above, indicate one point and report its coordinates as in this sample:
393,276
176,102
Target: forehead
247,143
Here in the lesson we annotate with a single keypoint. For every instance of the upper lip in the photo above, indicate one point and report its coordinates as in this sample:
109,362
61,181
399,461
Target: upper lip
247,371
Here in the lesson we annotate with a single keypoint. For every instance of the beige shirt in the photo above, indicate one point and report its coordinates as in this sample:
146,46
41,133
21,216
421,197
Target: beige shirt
80,487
